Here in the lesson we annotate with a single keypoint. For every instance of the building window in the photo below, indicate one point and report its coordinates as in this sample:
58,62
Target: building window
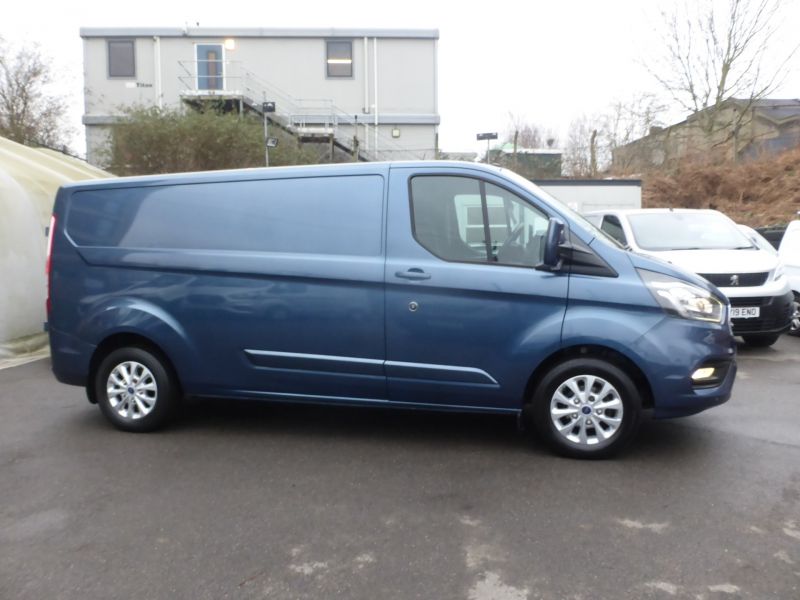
121,58
339,59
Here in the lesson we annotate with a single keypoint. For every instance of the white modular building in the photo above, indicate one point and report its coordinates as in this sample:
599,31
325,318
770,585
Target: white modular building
376,85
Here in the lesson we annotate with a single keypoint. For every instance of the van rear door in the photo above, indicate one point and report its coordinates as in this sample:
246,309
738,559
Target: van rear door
467,315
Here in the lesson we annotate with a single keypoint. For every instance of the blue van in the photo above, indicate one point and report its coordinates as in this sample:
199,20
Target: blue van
430,285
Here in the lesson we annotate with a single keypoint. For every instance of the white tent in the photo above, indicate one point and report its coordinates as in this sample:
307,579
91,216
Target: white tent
29,179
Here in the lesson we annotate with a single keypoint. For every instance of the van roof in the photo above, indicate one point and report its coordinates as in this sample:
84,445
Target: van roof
260,173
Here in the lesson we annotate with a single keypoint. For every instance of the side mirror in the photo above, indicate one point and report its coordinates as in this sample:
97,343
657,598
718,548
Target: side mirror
551,261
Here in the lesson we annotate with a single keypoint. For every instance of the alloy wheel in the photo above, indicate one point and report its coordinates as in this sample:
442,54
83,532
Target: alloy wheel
586,410
132,390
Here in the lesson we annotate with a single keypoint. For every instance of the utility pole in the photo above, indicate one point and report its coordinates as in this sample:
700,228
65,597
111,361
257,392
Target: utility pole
487,137
266,137
355,137
266,109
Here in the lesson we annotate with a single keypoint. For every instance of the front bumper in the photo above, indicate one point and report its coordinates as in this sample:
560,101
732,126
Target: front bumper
698,399
775,314
672,351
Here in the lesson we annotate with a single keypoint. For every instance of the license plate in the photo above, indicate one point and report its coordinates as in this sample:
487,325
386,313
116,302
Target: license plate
745,312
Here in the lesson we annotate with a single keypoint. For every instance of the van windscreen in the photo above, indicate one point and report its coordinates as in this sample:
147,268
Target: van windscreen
661,231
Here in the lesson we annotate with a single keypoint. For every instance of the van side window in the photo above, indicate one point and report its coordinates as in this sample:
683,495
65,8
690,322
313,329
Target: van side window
314,215
447,217
613,227
467,220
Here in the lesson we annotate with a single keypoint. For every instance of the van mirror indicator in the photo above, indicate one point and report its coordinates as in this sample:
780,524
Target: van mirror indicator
551,259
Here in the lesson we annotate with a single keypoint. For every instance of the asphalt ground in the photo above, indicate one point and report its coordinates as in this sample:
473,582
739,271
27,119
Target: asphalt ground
250,500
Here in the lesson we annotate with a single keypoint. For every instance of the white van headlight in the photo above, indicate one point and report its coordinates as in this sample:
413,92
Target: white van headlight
683,299
778,273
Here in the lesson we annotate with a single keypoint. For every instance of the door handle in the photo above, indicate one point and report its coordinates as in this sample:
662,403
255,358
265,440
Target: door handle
413,274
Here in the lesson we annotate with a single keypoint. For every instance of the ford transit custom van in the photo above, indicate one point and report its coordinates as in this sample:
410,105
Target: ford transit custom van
428,285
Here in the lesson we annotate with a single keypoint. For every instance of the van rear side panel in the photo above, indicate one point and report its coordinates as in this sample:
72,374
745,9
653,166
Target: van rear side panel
224,278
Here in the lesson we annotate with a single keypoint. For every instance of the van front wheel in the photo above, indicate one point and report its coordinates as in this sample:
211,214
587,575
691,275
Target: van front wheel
586,408
794,328
135,390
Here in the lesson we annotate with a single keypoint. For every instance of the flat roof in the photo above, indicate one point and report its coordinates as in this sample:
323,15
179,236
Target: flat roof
257,32
591,182
543,151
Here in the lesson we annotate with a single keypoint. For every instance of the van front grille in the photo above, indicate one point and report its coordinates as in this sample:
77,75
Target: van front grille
742,279
754,301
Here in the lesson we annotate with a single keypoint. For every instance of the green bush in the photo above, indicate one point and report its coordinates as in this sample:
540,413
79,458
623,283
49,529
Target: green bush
169,140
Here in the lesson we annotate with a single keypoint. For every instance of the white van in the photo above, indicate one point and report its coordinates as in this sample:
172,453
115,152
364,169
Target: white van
789,254
710,244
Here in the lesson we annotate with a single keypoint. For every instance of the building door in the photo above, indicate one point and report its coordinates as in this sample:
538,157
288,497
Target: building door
210,70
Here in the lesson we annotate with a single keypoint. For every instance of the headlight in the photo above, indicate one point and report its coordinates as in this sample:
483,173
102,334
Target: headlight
778,273
683,299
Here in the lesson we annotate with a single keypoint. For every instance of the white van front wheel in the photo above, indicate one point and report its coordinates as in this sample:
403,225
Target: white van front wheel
587,408
794,327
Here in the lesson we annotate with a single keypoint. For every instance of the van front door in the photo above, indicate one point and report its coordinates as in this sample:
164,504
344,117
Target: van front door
467,316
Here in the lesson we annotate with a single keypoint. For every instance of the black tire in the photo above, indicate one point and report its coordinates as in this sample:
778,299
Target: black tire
627,393
162,406
794,328
761,340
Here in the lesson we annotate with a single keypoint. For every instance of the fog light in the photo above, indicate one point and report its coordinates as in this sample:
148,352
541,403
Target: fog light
703,373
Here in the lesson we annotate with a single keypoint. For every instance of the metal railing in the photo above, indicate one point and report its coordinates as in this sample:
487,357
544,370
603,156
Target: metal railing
318,116
374,146
211,77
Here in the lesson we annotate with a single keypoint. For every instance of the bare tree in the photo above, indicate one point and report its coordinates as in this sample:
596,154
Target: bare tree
593,139
624,122
529,135
715,51
29,113
631,119
580,152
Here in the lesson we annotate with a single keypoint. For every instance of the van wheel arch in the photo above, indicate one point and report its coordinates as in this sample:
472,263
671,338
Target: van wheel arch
589,351
127,340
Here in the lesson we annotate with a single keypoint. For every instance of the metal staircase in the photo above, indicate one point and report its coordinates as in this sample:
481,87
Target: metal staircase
309,120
